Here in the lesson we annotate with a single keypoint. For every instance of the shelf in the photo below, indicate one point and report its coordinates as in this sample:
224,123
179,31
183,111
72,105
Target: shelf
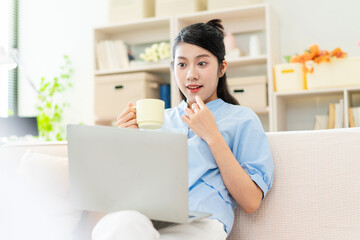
135,25
235,20
256,10
329,91
154,68
247,60
137,32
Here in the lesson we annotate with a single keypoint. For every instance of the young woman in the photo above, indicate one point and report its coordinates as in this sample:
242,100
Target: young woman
230,162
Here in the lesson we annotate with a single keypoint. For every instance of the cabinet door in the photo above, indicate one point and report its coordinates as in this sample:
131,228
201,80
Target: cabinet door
112,97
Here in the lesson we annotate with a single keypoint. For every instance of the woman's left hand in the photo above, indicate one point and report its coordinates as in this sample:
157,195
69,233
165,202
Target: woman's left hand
201,120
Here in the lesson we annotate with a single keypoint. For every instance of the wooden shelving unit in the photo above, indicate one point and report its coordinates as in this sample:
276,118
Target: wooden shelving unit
296,110
240,21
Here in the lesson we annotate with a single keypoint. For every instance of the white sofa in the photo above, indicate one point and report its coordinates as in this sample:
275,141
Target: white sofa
315,195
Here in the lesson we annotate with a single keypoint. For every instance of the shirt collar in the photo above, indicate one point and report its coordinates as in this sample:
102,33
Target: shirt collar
211,105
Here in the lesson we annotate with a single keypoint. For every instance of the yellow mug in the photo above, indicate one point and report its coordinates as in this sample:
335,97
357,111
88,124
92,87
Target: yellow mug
150,113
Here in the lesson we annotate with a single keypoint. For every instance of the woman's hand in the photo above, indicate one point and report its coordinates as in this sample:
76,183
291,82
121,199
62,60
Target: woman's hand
201,120
127,119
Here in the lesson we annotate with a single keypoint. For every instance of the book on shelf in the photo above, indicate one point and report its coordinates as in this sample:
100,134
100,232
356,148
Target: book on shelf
111,55
321,122
357,119
122,53
354,117
339,114
331,122
336,115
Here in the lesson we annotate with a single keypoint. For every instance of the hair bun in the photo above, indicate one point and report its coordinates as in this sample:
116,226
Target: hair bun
216,23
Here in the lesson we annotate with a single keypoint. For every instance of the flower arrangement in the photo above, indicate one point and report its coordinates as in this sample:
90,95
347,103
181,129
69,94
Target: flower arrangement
156,52
316,55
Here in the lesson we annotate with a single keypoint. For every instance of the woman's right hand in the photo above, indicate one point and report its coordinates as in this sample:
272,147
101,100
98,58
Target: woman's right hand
127,119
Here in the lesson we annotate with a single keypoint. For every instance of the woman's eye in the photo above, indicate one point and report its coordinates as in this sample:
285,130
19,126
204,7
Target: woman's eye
202,64
181,64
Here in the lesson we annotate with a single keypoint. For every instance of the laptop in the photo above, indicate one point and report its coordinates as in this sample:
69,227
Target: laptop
113,169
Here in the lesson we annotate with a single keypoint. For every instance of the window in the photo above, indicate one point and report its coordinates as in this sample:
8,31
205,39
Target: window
4,74
8,39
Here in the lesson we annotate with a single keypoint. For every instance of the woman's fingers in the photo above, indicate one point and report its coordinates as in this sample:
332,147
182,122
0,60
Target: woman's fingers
186,119
129,124
126,118
126,111
195,107
200,102
189,112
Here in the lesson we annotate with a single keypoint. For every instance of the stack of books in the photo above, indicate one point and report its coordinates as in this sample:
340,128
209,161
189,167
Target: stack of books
334,119
111,55
354,117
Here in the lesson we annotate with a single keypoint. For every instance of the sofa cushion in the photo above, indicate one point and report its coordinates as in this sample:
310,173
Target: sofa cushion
41,206
315,194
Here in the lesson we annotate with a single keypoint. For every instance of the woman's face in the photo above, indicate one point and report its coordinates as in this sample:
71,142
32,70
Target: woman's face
197,72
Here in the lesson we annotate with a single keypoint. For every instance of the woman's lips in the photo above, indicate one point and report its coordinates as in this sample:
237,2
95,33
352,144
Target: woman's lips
194,88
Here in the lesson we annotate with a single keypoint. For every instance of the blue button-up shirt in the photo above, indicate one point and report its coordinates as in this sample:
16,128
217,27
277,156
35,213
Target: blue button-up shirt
244,134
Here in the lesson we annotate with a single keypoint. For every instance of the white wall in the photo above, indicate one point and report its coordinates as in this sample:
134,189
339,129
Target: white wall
50,29
329,23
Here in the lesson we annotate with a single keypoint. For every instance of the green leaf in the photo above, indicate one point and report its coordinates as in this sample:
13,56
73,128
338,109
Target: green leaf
287,58
307,50
58,137
42,89
50,113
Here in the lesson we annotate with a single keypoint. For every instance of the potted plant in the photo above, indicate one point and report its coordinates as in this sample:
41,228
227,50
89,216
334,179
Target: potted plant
51,103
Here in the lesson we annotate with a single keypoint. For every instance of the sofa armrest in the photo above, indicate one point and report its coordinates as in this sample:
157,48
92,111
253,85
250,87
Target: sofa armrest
11,153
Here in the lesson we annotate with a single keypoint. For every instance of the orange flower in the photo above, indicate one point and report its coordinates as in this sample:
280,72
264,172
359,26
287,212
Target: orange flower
294,59
307,56
322,58
317,55
314,51
337,52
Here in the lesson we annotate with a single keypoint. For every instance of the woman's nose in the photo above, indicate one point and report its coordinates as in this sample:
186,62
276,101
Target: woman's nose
192,74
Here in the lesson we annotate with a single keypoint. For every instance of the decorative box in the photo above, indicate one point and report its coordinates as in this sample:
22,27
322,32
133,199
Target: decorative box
177,7
289,77
337,73
129,10
114,92
249,91
216,4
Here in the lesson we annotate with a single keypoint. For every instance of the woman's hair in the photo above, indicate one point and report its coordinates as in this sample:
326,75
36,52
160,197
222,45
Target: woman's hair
209,36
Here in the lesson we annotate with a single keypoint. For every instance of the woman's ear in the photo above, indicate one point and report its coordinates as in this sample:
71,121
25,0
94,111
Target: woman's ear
223,67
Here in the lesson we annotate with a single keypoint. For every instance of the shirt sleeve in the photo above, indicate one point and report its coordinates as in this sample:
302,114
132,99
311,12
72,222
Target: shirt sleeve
252,150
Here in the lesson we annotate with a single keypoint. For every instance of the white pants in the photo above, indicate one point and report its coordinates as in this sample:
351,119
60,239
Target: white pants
133,225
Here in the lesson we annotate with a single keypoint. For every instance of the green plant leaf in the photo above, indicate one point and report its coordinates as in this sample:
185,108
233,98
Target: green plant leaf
49,105
287,58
